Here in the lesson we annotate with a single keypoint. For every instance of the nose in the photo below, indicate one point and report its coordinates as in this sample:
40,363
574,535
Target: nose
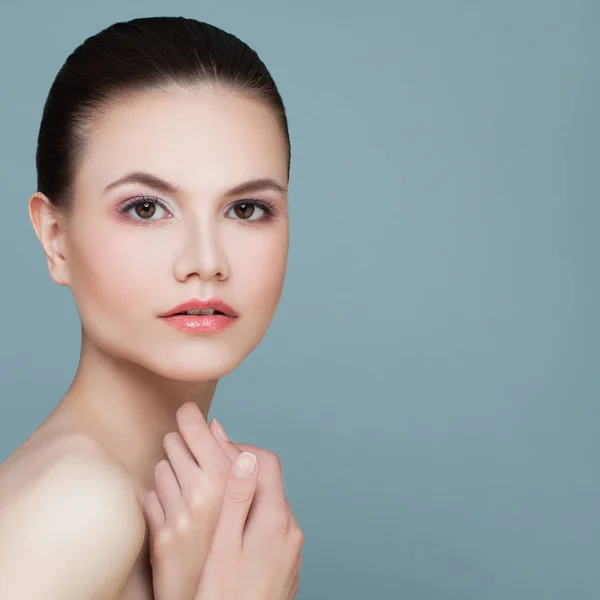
201,255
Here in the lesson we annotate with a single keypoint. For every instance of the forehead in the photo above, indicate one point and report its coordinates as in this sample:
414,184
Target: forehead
202,139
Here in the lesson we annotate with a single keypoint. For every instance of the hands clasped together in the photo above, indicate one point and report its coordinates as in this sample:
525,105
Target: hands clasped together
220,526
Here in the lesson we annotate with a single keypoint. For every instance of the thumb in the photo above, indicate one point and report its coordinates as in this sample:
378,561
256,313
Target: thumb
237,499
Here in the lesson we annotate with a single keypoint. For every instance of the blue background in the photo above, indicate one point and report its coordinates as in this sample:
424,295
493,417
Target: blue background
430,378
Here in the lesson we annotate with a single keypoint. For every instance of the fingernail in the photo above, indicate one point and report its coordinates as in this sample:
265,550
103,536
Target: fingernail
220,430
244,466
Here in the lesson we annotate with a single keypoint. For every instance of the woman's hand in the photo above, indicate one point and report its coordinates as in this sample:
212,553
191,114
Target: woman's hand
188,502
184,509
253,556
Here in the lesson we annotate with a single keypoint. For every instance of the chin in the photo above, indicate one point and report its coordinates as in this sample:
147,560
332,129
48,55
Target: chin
193,366
194,373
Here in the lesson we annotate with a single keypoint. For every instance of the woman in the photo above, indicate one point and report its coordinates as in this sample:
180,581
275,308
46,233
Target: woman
163,163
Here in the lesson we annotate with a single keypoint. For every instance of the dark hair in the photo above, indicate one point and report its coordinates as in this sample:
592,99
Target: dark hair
134,56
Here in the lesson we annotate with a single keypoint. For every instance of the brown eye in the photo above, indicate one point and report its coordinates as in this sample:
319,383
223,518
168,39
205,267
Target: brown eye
145,210
244,210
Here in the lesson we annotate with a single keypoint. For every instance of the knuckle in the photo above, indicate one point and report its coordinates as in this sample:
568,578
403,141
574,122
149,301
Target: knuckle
271,459
238,496
297,539
196,501
163,542
201,499
182,523
280,521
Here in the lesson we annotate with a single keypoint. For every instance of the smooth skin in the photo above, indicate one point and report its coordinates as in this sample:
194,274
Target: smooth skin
64,535
72,529
250,556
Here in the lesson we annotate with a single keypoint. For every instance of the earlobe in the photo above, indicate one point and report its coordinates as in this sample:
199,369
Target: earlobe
48,225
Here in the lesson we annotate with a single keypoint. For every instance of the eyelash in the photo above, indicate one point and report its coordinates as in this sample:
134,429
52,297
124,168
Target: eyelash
265,205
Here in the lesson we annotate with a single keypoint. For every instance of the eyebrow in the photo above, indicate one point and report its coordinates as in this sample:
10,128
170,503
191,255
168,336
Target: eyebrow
254,185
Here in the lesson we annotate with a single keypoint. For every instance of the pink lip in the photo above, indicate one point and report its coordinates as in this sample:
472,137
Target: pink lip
201,323
215,303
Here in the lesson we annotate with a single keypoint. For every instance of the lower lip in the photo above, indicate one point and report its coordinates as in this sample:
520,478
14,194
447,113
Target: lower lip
199,323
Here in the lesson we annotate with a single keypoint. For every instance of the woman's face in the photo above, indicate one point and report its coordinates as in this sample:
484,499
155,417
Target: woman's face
128,262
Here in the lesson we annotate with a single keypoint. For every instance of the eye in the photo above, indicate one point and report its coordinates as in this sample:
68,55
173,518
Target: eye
252,209
144,209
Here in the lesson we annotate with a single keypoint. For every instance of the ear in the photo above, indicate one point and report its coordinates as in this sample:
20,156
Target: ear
49,226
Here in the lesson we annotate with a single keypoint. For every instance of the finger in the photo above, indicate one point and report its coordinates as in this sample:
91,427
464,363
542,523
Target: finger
229,448
232,450
182,461
154,512
270,491
167,488
270,495
237,499
269,498
259,493
199,439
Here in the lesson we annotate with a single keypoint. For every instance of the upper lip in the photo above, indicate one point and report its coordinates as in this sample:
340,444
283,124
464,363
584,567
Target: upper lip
214,303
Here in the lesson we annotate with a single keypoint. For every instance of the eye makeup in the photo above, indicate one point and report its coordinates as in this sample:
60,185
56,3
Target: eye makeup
266,206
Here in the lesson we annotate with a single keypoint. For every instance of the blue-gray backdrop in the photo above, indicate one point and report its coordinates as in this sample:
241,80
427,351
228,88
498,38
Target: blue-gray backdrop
429,380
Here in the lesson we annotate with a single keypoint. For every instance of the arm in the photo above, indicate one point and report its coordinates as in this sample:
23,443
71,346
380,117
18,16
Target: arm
73,533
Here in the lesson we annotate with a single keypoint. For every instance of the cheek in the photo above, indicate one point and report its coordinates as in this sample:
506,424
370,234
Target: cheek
261,266
114,271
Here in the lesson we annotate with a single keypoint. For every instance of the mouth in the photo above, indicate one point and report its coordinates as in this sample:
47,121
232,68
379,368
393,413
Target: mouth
200,311
201,316
214,306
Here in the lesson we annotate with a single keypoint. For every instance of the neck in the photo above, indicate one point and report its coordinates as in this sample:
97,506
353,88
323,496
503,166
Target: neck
127,408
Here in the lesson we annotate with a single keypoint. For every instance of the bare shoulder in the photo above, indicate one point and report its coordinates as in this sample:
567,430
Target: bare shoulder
45,454
71,525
